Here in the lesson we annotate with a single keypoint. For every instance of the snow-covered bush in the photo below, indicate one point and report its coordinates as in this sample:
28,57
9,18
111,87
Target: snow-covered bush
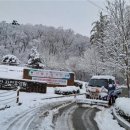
10,60
78,84
122,106
67,90
34,60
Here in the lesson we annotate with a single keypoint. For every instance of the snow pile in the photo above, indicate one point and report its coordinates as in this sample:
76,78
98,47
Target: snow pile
67,90
105,121
122,106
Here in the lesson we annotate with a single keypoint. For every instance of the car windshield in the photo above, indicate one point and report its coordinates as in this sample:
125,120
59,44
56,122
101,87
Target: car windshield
98,83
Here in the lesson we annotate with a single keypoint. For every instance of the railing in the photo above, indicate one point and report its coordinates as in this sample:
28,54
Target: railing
8,98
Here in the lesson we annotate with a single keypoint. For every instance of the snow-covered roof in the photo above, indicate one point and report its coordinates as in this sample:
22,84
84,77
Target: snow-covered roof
103,77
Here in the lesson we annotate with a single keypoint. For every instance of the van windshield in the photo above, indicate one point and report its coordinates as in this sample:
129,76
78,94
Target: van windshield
98,83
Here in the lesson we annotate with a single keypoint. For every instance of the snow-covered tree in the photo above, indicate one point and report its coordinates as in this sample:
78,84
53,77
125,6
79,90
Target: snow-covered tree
118,35
97,37
55,45
34,60
114,39
10,60
15,22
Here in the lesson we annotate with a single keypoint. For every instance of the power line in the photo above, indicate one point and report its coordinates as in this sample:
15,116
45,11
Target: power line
99,7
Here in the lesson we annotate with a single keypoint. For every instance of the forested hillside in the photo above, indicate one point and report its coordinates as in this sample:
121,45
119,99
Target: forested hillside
106,52
58,48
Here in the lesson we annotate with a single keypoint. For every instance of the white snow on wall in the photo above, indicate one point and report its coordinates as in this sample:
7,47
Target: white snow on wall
11,72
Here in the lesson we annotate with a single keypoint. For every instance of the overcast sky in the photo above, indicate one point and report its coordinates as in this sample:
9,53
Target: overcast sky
75,14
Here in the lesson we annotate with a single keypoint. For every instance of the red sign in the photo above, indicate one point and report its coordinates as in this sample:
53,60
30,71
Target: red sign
51,81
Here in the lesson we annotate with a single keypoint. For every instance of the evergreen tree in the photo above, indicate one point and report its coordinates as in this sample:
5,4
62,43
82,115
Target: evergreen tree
119,39
34,60
97,37
15,22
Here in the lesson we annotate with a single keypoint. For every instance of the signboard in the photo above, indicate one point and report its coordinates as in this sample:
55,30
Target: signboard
13,82
51,81
49,74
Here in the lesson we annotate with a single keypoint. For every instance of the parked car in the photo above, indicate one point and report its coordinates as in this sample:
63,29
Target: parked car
103,87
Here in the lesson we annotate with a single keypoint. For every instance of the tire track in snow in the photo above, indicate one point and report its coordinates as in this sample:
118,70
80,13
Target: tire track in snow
83,119
24,120
19,123
88,119
64,121
75,118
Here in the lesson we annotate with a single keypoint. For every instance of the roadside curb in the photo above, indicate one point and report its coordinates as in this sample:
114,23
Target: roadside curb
120,120
97,102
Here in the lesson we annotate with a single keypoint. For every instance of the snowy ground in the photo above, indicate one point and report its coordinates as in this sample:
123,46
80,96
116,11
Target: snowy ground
123,104
31,102
105,120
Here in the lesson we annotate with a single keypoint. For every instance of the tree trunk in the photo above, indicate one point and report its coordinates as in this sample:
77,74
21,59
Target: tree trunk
127,78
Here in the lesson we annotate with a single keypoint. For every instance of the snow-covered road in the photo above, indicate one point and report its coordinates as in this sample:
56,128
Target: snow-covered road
73,117
64,120
53,112
83,118
32,119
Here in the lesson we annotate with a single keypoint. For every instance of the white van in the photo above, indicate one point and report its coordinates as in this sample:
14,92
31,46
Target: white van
102,87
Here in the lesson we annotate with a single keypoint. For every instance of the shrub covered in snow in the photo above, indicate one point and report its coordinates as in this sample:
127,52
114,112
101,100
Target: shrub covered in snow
67,90
78,83
10,60
122,106
34,60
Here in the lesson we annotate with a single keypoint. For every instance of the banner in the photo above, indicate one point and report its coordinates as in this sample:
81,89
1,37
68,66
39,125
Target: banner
49,74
